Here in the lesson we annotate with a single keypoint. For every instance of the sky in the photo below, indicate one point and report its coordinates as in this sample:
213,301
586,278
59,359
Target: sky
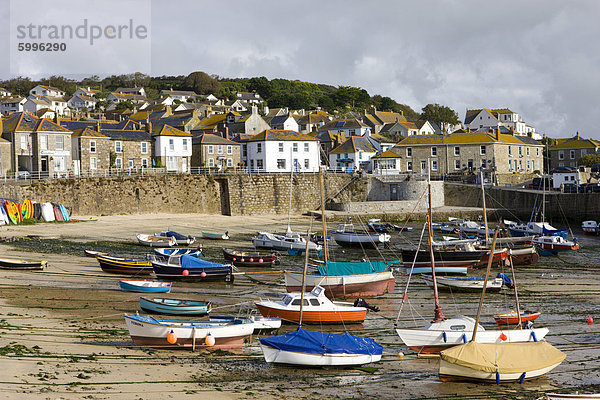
535,57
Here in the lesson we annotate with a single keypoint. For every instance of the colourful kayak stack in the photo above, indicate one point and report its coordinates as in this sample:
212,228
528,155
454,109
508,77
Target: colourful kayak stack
15,213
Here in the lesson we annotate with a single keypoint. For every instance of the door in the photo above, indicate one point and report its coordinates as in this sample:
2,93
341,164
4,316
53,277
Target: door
184,164
44,167
393,192
423,167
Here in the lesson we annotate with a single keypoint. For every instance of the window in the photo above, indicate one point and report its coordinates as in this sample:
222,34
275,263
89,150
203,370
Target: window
456,151
583,152
434,151
259,148
483,163
339,156
306,164
295,147
409,152
520,151
130,163
409,166
92,146
281,147
280,163
306,147
211,149
561,155
572,154
360,155
229,149
171,144
44,142
230,162
118,162
509,151
220,149
211,162
259,164
60,142
244,150
144,163
434,165
482,150
144,146
456,164
351,132
527,150
23,142
118,146
537,152
93,163
59,163
185,144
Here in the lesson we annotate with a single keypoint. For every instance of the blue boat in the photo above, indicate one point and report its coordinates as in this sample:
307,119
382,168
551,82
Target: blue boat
175,306
145,286
537,229
180,239
192,269
166,252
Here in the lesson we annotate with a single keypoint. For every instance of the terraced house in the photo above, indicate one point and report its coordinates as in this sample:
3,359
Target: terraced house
353,154
567,152
459,153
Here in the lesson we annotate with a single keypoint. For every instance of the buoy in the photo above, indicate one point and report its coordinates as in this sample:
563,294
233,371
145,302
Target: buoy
503,336
203,274
252,260
400,355
260,260
185,272
242,260
209,340
171,337
590,320
234,259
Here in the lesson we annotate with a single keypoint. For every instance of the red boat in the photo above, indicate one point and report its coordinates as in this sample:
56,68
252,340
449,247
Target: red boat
249,258
511,318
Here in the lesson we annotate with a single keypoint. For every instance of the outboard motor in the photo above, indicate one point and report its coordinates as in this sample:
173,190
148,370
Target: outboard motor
505,280
360,302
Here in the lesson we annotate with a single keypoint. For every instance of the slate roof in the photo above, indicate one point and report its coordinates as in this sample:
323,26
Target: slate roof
129,96
280,135
10,100
104,124
387,154
52,88
86,98
382,139
279,119
343,124
471,114
88,132
465,138
117,134
174,121
384,117
167,130
128,90
354,144
212,121
575,143
26,122
178,92
245,96
209,138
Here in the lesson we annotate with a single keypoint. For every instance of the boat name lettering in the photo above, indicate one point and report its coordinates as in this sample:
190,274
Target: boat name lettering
136,323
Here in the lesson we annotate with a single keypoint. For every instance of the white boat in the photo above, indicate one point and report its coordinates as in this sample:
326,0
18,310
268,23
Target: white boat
155,241
180,240
345,235
438,336
590,227
559,396
466,284
289,241
227,333
498,362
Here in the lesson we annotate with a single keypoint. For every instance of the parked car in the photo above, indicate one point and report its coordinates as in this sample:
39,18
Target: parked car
592,187
539,184
563,170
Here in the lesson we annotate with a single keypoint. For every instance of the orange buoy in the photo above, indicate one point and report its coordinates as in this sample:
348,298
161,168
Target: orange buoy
171,337
209,340
503,336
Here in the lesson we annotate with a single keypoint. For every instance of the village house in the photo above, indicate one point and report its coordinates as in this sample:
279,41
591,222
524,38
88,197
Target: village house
139,91
566,152
485,119
376,120
9,105
353,154
213,151
283,122
4,92
236,105
388,162
86,91
173,147
347,128
313,121
282,151
328,140
248,98
35,103
50,91
82,102
182,95
91,150
116,97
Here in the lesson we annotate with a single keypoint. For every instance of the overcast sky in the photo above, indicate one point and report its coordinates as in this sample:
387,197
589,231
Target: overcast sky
538,58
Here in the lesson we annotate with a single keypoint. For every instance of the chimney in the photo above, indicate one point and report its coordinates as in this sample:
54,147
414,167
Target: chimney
168,111
498,133
226,132
149,127
254,110
98,126
577,136
1,128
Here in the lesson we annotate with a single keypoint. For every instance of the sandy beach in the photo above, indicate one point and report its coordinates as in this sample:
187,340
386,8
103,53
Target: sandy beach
63,336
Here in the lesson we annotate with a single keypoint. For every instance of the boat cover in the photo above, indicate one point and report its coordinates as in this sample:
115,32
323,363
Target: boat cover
505,358
322,343
353,268
177,236
190,262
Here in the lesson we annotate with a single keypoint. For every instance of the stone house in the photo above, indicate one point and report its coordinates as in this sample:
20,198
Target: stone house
173,147
91,150
213,151
353,154
566,152
313,121
376,120
347,128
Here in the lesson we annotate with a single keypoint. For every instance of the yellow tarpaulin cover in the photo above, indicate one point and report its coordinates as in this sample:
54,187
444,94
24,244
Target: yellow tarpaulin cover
506,358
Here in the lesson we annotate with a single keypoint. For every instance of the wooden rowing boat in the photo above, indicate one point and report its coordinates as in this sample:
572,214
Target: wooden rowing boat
175,306
249,258
20,264
215,236
145,286
511,318
117,265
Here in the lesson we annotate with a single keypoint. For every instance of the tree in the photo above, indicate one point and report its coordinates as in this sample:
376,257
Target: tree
441,115
588,160
202,83
125,105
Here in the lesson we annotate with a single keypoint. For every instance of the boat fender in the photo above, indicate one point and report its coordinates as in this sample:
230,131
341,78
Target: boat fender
185,272
533,336
202,274
445,337
505,280
503,337
522,378
209,340
260,260
171,337
464,338
497,378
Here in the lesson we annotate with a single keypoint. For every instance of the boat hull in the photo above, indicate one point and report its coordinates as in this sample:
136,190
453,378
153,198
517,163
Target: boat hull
447,270
175,273
344,286
17,264
360,240
512,319
174,306
524,256
145,286
464,285
317,317
249,258
115,265
450,372
273,355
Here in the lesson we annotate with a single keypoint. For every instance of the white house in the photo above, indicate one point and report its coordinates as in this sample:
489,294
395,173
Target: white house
4,92
42,90
174,148
284,122
347,128
280,151
249,98
80,102
495,118
355,153
9,105
116,97
35,103
136,90
181,95
387,162
86,91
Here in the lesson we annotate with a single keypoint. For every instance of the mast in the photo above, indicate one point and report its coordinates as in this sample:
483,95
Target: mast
512,269
438,315
322,186
487,276
304,277
485,222
289,229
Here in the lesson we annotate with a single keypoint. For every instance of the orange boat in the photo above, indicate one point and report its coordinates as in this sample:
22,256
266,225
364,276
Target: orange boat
511,318
317,308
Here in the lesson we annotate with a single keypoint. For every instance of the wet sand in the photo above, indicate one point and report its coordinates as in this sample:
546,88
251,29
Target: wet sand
63,336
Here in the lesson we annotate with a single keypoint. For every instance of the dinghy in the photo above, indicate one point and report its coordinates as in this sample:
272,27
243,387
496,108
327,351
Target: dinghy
192,269
145,286
512,318
180,240
118,265
467,284
175,306
241,258
20,264
215,236
155,241
166,252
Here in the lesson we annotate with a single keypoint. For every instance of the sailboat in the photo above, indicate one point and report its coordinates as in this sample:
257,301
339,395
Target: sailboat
443,332
499,362
345,279
309,348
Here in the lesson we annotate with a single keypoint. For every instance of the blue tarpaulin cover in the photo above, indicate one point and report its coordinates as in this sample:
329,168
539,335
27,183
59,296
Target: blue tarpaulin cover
176,235
190,262
322,343
353,268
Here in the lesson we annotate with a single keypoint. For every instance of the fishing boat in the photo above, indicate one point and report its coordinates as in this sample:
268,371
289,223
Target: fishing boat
498,362
346,236
317,308
570,396
145,286
20,264
118,265
468,284
215,236
148,331
291,240
241,258
155,241
375,225
167,252
553,245
180,239
590,227
537,229
191,269
94,253
175,306
512,318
